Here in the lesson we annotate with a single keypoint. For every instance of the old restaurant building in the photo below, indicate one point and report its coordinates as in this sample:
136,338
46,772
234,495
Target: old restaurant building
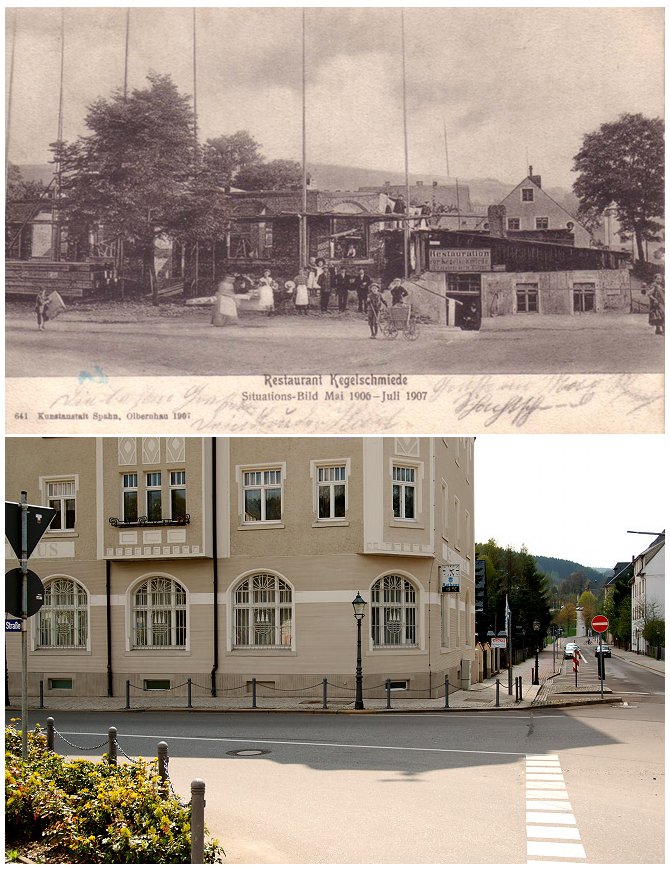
502,274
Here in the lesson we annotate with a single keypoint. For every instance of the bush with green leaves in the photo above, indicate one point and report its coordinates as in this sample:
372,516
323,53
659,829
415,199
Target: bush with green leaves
87,812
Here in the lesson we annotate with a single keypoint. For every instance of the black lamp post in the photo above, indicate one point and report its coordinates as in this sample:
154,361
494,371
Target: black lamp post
359,614
536,628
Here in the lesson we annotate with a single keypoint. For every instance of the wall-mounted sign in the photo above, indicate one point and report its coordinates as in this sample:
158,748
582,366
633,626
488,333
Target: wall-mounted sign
459,260
498,643
450,577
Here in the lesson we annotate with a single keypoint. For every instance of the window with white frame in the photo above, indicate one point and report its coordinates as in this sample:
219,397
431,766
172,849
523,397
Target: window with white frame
331,491
177,494
154,495
541,223
61,495
394,612
63,617
263,612
404,492
129,498
159,614
457,522
262,493
527,298
513,223
527,194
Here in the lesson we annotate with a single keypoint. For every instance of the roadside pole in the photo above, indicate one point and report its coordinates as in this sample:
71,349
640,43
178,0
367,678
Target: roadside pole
601,660
24,625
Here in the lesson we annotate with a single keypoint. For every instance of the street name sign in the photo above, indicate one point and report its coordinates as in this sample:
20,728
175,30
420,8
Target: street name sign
12,626
600,624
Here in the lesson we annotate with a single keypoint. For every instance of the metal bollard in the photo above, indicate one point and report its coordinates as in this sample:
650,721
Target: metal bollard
41,693
127,693
253,693
188,688
162,754
197,821
325,693
111,747
51,734
497,692
520,688
388,693
446,692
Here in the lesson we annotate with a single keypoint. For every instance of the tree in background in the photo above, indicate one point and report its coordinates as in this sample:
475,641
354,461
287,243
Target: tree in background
566,617
621,165
137,173
616,607
571,587
236,161
18,189
589,605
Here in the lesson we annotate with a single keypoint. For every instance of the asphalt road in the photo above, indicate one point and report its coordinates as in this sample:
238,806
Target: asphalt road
446,787
599,345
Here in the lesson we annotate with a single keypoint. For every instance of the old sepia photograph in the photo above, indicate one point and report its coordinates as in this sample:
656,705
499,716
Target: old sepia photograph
333,216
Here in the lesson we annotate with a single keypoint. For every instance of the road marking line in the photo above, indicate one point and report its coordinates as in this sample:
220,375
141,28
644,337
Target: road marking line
555,849
534,817
547,805
541,757
254,741
540,832
546,815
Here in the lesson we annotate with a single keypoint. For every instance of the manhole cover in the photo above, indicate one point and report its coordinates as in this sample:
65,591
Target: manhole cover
248,752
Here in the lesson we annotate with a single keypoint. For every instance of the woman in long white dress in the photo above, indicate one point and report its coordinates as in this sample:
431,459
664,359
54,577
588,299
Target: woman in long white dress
267,296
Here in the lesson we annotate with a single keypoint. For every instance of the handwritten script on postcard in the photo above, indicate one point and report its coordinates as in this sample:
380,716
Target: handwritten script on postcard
337,403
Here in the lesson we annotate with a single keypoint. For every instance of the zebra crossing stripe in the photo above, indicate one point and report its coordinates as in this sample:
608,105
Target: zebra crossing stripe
551,827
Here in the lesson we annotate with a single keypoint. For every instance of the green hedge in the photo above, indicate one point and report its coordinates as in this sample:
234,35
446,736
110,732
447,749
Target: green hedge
86,812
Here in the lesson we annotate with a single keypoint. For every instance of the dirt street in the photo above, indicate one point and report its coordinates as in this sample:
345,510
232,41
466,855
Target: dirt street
138,340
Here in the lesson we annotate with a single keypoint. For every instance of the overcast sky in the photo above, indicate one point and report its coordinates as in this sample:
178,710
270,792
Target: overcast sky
511,84
573,496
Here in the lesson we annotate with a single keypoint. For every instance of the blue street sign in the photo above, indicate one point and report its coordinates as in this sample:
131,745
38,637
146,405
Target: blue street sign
12,626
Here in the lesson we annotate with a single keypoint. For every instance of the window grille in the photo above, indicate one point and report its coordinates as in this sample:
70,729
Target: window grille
394,615
63,618
159,614
263,612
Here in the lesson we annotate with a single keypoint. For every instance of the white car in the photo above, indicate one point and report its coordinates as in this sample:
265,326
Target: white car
570,650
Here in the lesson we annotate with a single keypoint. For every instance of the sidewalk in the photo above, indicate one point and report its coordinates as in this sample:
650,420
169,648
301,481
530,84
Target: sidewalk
555,689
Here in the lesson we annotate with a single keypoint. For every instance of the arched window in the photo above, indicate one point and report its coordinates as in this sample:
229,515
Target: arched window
64,615
159,614
393,612
263,612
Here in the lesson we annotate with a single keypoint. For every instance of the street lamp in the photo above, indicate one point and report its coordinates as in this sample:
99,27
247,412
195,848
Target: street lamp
359,614
536,628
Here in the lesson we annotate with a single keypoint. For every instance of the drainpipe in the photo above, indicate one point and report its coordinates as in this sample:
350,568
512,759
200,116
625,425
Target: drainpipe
215,571
108,605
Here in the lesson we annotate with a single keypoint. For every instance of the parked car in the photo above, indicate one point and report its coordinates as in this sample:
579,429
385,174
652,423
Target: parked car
604,650
570,650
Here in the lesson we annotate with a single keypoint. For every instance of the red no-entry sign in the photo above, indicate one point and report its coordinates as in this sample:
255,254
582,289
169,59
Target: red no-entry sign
600,624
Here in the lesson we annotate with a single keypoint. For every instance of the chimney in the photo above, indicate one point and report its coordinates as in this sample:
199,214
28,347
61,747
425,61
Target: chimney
536,179
496,215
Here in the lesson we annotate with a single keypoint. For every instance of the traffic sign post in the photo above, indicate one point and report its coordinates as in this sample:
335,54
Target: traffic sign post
576,656
600,625
24,526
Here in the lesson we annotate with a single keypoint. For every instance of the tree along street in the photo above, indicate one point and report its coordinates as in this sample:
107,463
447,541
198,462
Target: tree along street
412,788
